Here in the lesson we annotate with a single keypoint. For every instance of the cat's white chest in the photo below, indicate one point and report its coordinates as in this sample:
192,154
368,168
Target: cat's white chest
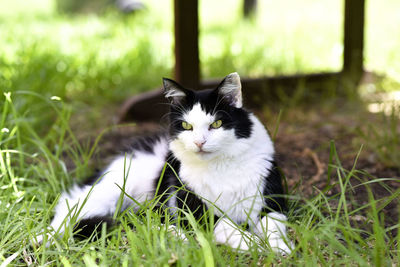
233,188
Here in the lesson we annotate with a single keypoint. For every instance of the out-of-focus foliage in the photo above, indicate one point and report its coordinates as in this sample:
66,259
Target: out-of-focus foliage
71,6
100,59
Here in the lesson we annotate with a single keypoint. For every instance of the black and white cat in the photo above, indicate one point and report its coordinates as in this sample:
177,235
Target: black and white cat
222,155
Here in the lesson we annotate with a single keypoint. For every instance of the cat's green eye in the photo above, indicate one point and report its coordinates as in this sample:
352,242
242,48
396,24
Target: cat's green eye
186,126
216,124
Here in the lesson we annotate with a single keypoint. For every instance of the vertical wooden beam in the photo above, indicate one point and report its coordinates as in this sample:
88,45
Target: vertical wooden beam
187,70
354,16
249,8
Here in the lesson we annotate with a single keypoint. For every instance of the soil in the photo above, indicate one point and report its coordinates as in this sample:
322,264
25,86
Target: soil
304,144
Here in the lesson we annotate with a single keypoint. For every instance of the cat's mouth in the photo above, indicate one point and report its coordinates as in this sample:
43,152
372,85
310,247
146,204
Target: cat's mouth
202,152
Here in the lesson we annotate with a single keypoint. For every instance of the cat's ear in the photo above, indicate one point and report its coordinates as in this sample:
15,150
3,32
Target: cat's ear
231,90
173,91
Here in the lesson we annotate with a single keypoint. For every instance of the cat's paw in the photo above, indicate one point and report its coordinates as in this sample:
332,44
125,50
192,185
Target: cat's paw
280,246
234,241
37,240
40,238
177,232
227,234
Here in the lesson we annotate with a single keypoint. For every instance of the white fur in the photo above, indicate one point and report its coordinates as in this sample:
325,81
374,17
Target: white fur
174,93
232,88
227,233
140,172
273,228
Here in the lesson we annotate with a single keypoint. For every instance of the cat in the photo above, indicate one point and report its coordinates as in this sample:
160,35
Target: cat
219,152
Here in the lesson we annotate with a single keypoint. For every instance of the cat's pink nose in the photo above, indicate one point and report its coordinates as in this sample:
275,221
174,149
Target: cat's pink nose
199,144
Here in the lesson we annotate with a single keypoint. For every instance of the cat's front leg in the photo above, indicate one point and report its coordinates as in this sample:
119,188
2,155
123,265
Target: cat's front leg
227,233
273,228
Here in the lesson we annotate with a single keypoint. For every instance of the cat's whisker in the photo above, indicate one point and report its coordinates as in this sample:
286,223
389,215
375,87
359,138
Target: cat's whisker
172,113
219,100
181,108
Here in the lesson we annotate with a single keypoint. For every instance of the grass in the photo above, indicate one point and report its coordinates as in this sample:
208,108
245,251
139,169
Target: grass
61,76
386,140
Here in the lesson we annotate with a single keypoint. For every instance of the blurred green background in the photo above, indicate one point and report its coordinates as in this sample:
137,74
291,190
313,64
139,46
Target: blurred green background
99,56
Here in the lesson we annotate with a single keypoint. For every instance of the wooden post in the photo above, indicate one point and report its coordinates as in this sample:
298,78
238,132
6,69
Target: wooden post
354,11
187,70
249,8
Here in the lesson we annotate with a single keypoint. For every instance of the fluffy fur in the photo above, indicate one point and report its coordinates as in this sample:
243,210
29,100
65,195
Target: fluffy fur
227,168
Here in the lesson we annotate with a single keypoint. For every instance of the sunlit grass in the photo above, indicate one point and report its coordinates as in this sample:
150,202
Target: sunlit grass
383,37
280,40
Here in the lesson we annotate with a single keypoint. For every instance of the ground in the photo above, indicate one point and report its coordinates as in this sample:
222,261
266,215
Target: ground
303,146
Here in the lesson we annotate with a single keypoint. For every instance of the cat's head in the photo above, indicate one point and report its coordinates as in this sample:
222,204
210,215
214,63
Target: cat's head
208,123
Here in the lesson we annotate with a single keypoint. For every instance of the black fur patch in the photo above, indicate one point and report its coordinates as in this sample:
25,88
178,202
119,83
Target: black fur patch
91,227
168,183
273,191
146,143
186,200
92,179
